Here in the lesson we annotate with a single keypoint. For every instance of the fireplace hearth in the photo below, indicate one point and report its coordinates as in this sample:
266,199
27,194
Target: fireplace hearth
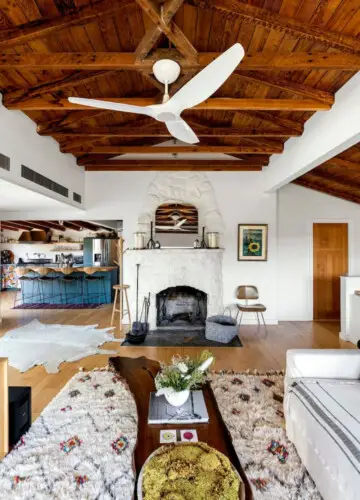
181,306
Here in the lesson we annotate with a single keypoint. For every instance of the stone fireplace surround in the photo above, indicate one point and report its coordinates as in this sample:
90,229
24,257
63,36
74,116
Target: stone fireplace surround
171,267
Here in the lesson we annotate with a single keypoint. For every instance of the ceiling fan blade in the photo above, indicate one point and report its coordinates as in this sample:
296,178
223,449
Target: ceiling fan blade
181,130
205,83
112,106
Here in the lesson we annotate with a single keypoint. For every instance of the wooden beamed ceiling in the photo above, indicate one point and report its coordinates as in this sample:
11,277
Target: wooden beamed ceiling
339,176
46,225
298,53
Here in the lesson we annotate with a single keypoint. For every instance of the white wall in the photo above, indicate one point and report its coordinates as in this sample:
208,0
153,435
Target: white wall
240,199
298,209
21,143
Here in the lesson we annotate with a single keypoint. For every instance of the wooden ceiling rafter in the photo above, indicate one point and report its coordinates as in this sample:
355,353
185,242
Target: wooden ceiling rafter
24,34
175,165
213,103
326,190
145,150
96,61
267,19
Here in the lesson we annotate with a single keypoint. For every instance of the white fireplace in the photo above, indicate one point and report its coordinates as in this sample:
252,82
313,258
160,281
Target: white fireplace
160,269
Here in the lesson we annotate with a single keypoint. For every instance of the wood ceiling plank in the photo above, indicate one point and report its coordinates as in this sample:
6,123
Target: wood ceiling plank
146,150
287,86
322,188
95,61
214,103
271,120
291,26
25,33
70,81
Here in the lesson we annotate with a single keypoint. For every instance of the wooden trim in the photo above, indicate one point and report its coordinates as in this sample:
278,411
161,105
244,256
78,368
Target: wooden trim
95,61
214,103
260,149
261,17
44,27
4,408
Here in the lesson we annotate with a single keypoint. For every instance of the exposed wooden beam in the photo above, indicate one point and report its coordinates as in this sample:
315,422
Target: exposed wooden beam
71,119
170,29
153,34
287,85
37,29
170,164
4,225
77,78
133,131
271,120
146,150
87,225
345,164
270,20
326,190
96,61
182,80
71,225
214,103
46,225
335,180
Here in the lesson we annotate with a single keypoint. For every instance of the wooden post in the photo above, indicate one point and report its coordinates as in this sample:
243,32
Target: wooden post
4,408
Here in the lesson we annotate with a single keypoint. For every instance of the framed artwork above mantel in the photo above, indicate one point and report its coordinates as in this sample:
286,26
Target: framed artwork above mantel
253,242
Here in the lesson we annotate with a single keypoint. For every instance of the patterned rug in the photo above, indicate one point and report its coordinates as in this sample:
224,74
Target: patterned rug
252,409
81,446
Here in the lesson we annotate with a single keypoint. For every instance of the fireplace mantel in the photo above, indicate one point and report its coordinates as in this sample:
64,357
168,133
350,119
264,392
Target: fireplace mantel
170,267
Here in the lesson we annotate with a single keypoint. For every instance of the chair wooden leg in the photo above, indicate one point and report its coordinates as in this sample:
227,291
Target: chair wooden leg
120,310
114,308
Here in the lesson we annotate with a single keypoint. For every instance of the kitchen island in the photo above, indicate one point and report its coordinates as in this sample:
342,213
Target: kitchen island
56,285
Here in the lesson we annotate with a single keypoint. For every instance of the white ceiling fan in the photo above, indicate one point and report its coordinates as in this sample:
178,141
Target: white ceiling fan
197,90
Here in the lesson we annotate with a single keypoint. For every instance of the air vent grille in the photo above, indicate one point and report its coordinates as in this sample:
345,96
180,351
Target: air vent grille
4,162
77,197
41,180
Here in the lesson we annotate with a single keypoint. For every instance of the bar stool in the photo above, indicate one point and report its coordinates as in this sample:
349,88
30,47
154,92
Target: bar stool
122,312
77,293
47,288
101,291
35,291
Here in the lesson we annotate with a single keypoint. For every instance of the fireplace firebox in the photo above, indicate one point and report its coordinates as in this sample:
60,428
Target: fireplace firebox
181,306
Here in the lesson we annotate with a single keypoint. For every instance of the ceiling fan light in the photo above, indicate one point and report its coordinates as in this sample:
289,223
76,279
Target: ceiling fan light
166,70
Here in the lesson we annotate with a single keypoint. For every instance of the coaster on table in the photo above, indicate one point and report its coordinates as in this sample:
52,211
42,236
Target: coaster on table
167,436
189,435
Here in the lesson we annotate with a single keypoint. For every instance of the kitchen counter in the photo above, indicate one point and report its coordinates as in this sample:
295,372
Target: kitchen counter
48,284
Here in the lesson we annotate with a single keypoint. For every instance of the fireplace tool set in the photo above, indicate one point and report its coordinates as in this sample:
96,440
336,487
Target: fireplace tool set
140,327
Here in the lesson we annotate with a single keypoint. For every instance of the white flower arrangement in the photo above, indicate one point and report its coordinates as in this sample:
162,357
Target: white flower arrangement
183,373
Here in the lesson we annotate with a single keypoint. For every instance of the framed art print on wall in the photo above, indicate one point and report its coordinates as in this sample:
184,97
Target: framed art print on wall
252,242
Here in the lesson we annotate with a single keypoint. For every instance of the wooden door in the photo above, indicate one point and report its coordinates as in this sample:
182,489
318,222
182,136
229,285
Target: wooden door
330,257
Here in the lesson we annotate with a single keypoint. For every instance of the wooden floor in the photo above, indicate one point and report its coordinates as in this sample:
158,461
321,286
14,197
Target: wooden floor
258,352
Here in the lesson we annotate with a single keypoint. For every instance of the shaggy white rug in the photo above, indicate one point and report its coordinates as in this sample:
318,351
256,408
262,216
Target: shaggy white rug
81,446
50,345
252,409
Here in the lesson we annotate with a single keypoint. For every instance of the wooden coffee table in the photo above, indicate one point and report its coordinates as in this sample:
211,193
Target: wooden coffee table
139,374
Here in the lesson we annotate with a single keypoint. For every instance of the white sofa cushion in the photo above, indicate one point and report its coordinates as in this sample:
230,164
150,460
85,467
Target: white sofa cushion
323,420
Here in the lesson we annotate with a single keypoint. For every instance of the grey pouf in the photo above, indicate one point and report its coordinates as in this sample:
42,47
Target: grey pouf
221,329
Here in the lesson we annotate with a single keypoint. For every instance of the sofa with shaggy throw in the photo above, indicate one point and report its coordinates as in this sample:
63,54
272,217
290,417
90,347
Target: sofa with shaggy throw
322,410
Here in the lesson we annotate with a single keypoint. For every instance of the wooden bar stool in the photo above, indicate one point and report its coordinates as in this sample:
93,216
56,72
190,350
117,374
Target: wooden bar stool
119,291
